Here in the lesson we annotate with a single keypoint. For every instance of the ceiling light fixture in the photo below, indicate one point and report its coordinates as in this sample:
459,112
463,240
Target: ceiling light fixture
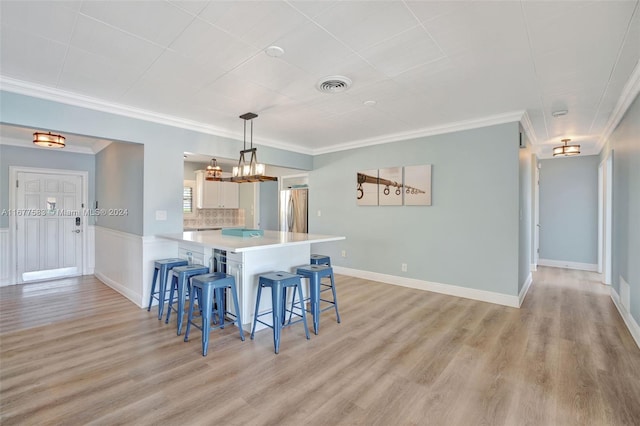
213,172
49,140
559,113
566,150
251,171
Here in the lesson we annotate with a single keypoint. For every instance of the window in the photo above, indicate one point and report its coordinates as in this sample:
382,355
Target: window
187,200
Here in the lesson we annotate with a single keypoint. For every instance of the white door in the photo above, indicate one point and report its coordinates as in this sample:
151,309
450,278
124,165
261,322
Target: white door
49,226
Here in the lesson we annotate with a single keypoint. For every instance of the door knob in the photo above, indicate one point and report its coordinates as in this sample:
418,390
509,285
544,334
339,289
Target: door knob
77,231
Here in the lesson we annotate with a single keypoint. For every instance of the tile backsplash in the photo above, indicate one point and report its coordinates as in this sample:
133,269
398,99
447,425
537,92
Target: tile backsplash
215,217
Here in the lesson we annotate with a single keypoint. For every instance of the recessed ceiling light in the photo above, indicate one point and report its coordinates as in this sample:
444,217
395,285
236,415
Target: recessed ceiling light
560,113
274,51
369,103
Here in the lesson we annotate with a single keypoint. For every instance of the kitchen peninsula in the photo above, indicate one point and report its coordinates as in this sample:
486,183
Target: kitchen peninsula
247,257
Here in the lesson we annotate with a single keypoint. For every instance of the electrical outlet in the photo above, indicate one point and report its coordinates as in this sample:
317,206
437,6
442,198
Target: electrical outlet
404,267
319,213
344,253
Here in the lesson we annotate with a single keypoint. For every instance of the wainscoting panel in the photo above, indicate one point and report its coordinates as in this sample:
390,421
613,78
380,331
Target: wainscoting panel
154,248
90,251
4,259
118,258
125,261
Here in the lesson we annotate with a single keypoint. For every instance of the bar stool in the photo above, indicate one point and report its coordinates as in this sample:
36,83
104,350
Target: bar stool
162,268
180,281
279,283
320,259
203,287
315,273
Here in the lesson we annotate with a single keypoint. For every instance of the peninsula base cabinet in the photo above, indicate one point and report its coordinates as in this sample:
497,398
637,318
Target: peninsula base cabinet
215,194
247,267
248,258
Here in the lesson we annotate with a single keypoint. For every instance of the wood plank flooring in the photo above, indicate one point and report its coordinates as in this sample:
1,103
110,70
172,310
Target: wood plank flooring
76,352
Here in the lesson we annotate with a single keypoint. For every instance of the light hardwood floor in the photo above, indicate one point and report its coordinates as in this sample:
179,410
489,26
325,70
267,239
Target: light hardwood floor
76,352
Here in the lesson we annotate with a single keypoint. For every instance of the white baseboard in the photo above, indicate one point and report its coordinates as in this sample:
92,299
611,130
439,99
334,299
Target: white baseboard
452,290
533,267
525,289
120,288
630,322
591,267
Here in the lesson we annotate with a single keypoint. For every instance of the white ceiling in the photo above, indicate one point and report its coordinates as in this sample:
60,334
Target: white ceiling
429,66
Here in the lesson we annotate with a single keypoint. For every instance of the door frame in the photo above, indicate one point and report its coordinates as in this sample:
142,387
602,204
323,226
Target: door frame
13,194
605,218
536,215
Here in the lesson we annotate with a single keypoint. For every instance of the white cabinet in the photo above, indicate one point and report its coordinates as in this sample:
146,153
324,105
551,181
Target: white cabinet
195,254
229,195
216,195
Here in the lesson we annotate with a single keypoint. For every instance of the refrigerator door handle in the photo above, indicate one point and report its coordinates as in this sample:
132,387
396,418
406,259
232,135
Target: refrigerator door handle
290,215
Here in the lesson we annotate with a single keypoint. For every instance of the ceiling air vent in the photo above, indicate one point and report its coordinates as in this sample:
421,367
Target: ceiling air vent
334,84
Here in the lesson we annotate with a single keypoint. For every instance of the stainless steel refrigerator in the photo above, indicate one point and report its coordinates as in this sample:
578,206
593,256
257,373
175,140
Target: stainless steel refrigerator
293,210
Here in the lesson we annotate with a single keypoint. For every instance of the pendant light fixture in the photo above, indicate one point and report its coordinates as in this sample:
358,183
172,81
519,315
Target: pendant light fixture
49,140
250,171
213,172
566,150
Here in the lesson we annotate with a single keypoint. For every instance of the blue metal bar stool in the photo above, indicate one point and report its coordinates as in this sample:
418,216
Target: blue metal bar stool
162,268
180,281
279,283
320,259
315,273
203,287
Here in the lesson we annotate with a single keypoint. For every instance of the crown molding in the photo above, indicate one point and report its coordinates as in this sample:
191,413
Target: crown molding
57,95
429,131
528,128
629,94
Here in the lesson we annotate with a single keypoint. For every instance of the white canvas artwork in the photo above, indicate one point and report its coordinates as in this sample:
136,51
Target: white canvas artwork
417,185
367,188
390,186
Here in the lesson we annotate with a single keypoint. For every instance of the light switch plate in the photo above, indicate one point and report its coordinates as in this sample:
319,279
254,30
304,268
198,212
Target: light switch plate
161,215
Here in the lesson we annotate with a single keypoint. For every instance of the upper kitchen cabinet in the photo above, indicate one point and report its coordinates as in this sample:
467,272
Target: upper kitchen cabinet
216,195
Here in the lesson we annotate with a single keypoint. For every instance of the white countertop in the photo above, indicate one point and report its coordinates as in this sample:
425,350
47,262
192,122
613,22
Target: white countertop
270,239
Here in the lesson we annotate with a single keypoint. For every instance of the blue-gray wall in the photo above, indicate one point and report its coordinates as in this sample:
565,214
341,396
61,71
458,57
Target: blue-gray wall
468,237
569,209
268,210
625,143
190,169
164,146
119,185
45,159
524,203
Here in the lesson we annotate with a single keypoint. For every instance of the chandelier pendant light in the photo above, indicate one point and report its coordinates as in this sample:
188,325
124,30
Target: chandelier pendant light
49,140
252,170
213,172
566,150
